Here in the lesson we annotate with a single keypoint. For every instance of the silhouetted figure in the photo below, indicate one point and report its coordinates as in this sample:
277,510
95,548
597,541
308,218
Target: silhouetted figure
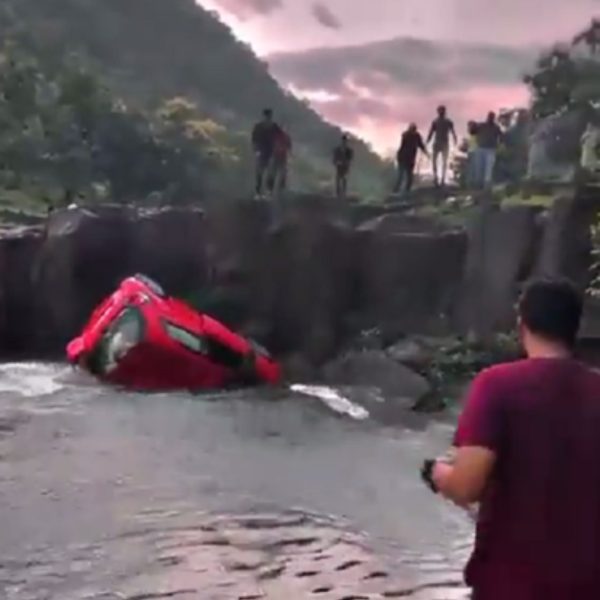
263,141
406,157
282,148
441,130
489,136
343,155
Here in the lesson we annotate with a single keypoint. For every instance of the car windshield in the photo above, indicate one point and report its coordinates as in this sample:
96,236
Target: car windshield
186,338
124,334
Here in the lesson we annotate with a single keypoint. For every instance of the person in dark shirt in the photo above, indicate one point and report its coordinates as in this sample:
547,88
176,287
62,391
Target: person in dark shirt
440,132
489,136
406,157
264,136
528,451
343,155
282,149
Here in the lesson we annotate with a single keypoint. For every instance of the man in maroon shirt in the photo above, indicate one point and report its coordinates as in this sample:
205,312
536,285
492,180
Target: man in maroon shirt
528,450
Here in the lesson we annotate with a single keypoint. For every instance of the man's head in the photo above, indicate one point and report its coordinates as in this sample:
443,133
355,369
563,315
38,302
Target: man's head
549,316
442,111
412,127
491,117
268,114
345,140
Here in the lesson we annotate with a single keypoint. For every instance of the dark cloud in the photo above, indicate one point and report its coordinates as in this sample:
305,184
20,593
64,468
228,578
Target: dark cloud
420,65
246,9
324,15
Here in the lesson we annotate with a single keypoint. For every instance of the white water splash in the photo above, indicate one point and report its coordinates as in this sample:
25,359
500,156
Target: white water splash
30,379
332,399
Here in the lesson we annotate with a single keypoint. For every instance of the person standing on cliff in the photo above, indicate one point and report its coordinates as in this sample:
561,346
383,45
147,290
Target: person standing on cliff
282,149
264,136
406,157
489,136
527,449
440,132
343,156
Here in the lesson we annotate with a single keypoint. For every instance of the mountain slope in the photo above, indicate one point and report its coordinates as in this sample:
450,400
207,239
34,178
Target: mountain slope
152,50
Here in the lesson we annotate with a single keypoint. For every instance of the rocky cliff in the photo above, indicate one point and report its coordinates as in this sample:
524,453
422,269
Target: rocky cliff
303,279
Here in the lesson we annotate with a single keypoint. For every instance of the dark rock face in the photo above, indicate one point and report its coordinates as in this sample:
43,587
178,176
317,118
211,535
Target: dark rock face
84,256
409,279
566,246
502,249
303,278
18,323
307,285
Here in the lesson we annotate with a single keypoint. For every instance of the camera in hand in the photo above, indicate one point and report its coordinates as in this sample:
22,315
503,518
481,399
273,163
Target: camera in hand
427,474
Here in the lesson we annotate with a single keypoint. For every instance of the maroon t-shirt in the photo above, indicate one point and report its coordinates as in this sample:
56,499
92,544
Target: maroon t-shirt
538,532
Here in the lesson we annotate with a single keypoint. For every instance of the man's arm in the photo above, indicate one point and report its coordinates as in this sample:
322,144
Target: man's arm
477,441
465,480
422,146
431,132
453,132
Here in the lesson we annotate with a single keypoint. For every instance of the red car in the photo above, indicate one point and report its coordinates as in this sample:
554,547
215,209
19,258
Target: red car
143,339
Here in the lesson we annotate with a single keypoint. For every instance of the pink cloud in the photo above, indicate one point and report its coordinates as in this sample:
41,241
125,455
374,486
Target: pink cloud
382,121
245,9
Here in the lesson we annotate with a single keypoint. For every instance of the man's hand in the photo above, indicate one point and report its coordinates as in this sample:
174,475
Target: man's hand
465,480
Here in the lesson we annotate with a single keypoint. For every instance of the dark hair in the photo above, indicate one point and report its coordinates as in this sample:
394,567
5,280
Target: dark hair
552,308
268,112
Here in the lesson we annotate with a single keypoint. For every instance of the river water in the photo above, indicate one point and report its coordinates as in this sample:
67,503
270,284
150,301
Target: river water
107,495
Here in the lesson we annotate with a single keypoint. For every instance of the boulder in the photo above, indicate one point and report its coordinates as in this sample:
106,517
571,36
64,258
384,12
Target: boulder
411,352
377,369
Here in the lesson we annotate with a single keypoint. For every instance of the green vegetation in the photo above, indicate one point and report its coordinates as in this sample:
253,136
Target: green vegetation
130,99
568,76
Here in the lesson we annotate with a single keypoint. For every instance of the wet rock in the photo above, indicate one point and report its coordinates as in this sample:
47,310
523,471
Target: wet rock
377,369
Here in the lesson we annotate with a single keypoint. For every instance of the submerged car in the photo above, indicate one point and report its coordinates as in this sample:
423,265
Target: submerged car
141,338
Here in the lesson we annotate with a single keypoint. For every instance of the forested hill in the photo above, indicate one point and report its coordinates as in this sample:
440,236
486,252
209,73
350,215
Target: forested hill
149,51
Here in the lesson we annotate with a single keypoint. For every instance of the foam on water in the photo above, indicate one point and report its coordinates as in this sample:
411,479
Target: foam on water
31,379
333,400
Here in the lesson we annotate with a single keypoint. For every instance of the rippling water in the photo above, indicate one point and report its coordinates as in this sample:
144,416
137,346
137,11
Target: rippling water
107,495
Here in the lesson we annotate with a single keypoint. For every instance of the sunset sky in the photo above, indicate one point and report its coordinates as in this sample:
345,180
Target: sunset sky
374,65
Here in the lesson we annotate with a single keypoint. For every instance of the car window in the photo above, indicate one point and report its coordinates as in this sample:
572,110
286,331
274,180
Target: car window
206,345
